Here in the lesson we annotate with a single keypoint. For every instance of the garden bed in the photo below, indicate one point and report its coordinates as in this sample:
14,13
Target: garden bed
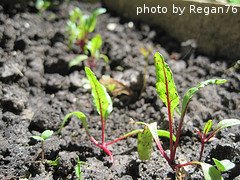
38,89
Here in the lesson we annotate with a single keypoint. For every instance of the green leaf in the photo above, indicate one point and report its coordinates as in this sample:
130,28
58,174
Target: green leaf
78,171
210,172
136,131
105,58
38,138
227,123
77,60
99,11
207,127
145,142
92,20
223,165
42,4
165,85
54,162
80,116
94,45
46,134
76,15
164,133
189,94
101,98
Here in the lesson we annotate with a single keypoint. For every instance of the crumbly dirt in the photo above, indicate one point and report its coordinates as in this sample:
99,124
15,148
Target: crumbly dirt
37,89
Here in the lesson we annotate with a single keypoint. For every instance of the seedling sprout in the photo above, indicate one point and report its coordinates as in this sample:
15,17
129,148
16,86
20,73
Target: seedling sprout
44,136
103,105
167,92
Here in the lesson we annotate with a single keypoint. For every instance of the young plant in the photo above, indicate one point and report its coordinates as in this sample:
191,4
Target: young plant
54,162
103,105
212,172
92,48
44,136
206,135
80,25
167,92
78,170
42,5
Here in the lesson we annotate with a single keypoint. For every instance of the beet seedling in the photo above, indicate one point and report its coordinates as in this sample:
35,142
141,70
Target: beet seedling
167,92
206,135
93,50
80,25
44,136
54,163
42,5
78,171
214,172
103,105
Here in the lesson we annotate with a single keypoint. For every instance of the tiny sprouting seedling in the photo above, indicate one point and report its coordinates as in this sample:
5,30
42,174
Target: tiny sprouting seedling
44,136
103,105
54,163
80,25
78,171
42,5
206,135
167,92
92,48
212,172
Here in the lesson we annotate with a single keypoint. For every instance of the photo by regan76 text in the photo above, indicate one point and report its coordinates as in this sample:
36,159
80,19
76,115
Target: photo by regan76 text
191,9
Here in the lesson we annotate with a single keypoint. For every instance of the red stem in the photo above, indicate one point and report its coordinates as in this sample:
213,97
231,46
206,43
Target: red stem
179,132
169,116
185,164
202,148
122,137
103,131
163,152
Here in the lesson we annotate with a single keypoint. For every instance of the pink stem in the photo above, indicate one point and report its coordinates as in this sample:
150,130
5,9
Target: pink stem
162,151
202,148
179,133
122,137
185,164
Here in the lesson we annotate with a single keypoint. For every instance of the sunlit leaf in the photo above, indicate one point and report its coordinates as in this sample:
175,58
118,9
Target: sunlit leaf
210,172
105,58
46,134
79,115
99,11
223,165
54,162
207,127
75,15
227,123
165,85
189,94
92,20
39,138
78,170
145,142
95,44
164,133
77,60
101,98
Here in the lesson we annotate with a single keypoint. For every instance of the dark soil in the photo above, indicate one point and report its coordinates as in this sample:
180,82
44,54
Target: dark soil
37,89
